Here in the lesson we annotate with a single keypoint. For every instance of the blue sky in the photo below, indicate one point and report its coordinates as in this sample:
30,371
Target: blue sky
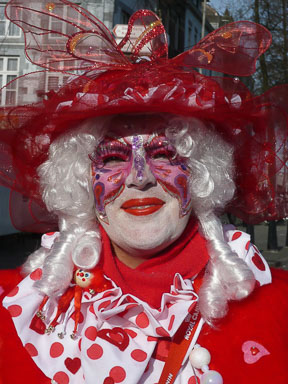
219,5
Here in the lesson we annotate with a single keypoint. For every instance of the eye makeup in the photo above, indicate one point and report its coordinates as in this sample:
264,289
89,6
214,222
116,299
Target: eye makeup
111,153
114,159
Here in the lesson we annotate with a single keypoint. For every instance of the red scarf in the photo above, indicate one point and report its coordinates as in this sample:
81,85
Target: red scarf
187,256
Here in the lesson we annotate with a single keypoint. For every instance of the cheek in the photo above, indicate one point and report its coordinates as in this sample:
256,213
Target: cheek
108,183
174,179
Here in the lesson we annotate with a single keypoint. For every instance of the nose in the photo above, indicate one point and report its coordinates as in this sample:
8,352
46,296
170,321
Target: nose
140,177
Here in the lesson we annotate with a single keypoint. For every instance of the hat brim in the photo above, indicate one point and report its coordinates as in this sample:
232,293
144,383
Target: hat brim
255,126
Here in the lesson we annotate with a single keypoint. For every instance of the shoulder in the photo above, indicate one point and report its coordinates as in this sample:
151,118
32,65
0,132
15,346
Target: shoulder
12,353
9,278
252,341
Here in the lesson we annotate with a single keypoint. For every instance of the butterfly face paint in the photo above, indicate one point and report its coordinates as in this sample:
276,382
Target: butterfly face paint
111,165
115,158
140,186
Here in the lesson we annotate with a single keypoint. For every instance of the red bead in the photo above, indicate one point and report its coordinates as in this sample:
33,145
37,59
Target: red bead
254,350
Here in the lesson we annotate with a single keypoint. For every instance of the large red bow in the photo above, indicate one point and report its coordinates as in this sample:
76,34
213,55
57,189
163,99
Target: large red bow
62,36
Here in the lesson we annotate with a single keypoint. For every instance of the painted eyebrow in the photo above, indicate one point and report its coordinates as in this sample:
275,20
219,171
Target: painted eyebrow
107,141
157,142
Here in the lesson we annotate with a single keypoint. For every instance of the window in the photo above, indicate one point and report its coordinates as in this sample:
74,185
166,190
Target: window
125,16
195,35
176,32
7,28
190,34
9,67
55,80
66,13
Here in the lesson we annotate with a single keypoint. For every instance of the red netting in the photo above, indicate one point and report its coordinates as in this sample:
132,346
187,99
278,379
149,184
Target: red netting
147,81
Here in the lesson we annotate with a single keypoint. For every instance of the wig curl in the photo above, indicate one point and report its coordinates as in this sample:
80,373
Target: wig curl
65,179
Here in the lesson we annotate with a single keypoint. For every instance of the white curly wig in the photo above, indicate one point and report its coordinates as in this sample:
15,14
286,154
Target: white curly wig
65,179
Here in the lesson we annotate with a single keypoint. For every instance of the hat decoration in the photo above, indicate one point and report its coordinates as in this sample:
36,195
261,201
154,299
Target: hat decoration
67,41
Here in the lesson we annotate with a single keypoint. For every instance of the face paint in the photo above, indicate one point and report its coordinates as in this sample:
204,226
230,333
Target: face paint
111,164
140,186
170,171
114,159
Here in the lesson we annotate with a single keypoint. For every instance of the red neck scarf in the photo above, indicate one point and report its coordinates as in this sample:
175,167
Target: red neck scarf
187,256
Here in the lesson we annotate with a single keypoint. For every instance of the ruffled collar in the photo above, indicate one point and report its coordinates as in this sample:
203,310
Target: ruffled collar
121,337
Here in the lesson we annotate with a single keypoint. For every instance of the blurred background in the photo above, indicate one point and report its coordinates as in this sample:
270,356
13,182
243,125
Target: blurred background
186,22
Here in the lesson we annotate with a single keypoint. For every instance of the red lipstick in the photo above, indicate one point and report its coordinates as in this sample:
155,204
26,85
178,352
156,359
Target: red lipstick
142,207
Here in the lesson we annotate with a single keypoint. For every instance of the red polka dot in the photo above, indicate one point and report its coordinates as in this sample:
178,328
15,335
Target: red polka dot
236,235
91,333
126,310
31,349
104,304
138,355
36,275
255,248
142,320
50,233
106,294
13,292
95,351
130,333
81,317
118,374
178,284
258,262
247,245
129,306
61,378
91,309
15,310
162,332
86,296
56,350
192,380
130,299
108,380
171,322
80,344
152,338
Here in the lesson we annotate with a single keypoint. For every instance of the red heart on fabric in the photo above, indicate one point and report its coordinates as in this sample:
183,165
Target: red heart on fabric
253,351
116,336
73,365
37,325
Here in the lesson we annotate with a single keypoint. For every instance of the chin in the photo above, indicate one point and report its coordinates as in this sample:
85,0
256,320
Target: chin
146,240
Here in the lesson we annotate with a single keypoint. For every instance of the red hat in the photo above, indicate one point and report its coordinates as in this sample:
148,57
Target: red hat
108,82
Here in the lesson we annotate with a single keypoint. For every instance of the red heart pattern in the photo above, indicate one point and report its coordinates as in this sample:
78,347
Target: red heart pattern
73,365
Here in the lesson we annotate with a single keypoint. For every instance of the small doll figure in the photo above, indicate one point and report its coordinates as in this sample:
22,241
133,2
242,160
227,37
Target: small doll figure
92,281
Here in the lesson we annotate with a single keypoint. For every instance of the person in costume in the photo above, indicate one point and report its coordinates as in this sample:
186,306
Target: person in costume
136,157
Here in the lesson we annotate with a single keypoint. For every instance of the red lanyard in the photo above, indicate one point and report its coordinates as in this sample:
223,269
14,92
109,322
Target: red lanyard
179,346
